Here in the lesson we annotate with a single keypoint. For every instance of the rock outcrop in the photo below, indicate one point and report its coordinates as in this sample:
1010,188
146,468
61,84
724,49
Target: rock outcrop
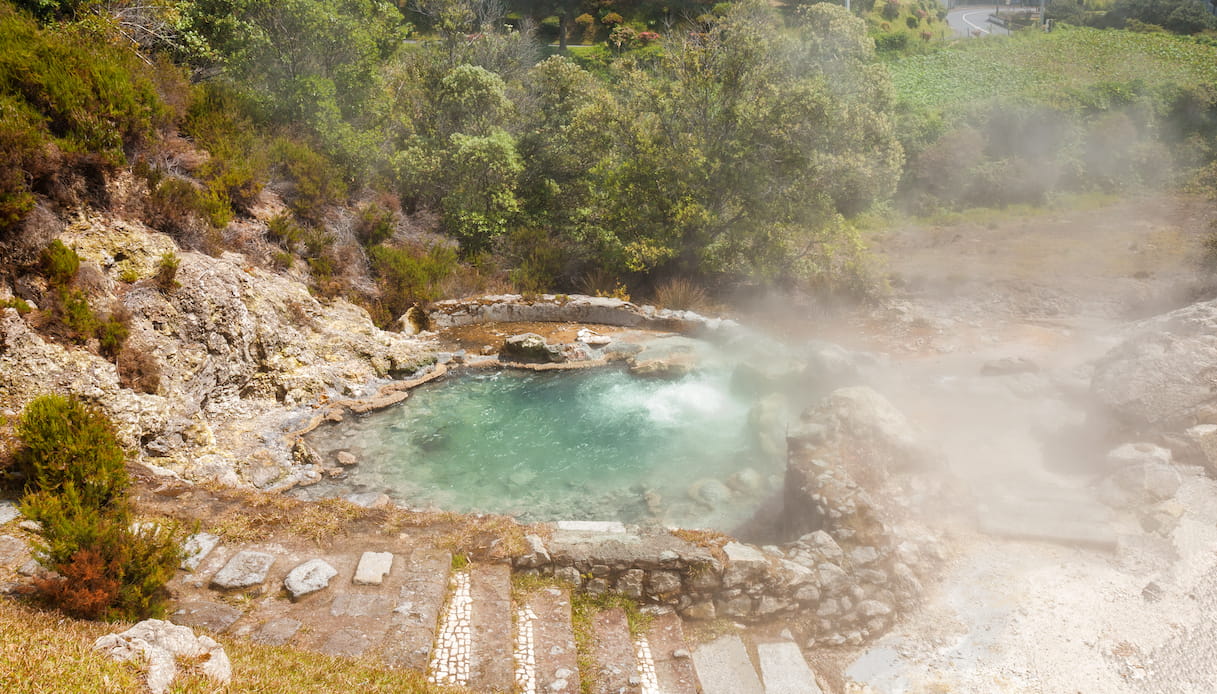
1163,377
242,354
159,644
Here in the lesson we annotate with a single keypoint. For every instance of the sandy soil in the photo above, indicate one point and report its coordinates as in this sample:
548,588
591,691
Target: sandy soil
1022,616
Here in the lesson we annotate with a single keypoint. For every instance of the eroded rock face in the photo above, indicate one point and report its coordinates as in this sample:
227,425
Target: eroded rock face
240,351
1165,375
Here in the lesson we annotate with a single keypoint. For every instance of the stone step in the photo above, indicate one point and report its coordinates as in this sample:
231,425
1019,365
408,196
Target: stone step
671,656
546,660
723,667
490,664
616,671
416,615
784,670
1048,514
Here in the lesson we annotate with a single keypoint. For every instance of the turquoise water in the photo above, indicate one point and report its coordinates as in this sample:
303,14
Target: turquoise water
587,444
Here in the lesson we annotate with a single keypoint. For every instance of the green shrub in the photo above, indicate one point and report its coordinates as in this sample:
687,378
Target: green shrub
375,225
76,482
18,303
166,271
60,264
408,276
77,317
68,445
285,231
112,334
314,182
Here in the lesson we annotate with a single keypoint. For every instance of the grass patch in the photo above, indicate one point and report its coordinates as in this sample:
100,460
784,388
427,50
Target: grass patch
45,652
256,516
479,537
584,608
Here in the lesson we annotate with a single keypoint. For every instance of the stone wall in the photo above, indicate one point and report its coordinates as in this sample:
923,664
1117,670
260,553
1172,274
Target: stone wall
826,594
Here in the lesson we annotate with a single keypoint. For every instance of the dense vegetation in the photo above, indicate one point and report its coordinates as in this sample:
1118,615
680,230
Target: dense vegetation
1020,119
725,145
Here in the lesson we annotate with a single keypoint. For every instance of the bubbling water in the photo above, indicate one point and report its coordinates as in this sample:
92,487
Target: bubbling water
596,444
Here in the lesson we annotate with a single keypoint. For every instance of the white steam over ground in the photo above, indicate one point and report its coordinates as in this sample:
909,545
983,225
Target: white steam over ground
989,338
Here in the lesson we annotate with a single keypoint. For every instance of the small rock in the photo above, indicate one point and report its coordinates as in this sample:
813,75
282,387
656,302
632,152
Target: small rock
663,583
537,555
309,577
346,458
569,575
30,526
1007,366
873,608
630,583
529,347
681,654
8,511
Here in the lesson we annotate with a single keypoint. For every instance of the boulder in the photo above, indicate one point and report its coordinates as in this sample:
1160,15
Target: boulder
159,643
710,493
860,416
529,347
1165,374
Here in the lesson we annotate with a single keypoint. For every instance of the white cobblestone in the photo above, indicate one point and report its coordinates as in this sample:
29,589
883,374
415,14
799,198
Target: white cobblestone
450,659
646,666
525,652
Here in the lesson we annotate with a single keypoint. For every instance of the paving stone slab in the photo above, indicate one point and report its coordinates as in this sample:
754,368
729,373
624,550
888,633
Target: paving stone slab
204,614
361,605
350,642
673,658
784,670
553,642
490,667
309,577
723,667
416,614
276,632
373,567
613,653
196,548
245,569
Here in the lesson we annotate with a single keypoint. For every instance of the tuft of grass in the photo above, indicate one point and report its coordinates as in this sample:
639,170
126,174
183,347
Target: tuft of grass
257,515
584,607
480,537
709,539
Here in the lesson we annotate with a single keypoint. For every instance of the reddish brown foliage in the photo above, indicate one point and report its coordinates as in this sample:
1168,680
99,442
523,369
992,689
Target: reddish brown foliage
86,586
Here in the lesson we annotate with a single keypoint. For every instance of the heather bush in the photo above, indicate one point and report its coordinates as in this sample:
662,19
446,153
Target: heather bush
76,490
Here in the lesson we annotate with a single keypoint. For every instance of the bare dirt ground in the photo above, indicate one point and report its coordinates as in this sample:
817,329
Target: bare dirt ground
1056,289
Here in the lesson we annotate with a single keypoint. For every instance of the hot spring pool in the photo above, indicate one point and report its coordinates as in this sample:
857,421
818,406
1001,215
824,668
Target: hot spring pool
594,444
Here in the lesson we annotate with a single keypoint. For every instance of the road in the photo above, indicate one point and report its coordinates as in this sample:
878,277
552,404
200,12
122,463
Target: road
973,20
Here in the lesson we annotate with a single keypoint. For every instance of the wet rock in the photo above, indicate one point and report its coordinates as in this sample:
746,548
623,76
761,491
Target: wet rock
309,577
345,458
159,644
529,347
710,493
245,569
747,481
